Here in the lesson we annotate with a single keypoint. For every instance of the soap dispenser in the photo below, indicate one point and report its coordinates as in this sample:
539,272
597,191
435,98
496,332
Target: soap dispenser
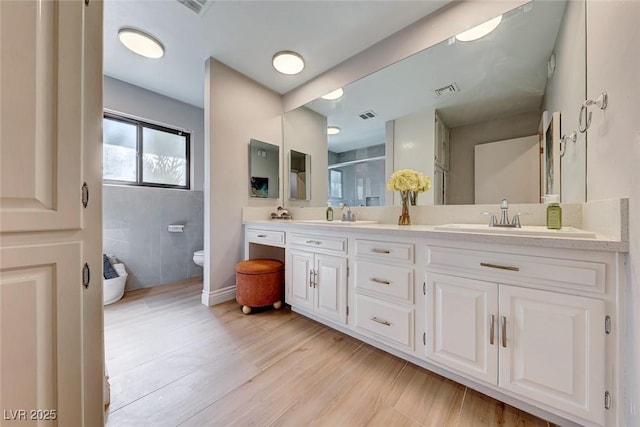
554,211
329,212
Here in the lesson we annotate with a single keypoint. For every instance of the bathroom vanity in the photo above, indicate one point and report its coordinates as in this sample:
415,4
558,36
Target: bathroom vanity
532,321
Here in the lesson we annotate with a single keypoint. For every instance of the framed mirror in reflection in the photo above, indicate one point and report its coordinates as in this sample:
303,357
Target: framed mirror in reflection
299,176
264,170
429,111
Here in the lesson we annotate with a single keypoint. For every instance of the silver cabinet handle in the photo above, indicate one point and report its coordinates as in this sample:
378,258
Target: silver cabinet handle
498,266
262,235
492,329
381,321
504,332
315,278
313,242
381,281
311,278
380,251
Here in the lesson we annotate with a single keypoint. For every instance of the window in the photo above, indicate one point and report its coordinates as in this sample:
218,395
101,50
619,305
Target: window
140,153
335,184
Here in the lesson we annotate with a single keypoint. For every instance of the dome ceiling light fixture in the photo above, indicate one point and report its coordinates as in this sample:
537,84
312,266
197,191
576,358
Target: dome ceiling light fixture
479,31
333,130
334,94
141,43
288,62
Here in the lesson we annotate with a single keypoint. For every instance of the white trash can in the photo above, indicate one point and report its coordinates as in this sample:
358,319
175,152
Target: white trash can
113,289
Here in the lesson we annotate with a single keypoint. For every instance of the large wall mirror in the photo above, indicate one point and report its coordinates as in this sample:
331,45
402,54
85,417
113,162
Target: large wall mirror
264,170
430,112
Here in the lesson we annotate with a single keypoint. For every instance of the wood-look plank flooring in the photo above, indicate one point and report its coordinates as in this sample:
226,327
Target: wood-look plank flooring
174,362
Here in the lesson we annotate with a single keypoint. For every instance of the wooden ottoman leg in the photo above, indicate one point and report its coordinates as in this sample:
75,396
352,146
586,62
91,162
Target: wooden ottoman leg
246,309
277,304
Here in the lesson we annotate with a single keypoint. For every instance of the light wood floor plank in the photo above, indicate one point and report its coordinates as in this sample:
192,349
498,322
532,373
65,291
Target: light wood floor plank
173,361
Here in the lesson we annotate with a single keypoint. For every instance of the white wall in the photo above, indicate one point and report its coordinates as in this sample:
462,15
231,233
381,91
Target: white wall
305,131
564,93
462,141
121,97
413,147
613,152
236,110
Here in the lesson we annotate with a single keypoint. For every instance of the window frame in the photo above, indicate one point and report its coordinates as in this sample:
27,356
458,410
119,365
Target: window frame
140,125
331,195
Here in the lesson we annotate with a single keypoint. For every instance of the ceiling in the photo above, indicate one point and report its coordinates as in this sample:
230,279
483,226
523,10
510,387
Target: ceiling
244,35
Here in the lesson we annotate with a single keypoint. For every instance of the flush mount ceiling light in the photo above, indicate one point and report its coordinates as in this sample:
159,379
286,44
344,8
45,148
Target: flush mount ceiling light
141,43
333,130
479,31
334,95
288,62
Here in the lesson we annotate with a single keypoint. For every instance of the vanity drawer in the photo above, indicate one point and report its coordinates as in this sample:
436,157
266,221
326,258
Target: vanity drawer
390,321
385,280
335,244
520,269
384,250
267,237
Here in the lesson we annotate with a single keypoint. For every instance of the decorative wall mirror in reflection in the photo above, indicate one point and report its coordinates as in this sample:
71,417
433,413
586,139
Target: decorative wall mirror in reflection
429,111
264,169
299,176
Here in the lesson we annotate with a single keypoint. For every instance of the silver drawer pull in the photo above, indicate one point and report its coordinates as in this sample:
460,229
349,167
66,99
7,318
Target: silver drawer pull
381,281
262,235
313,242
380,251
381,321
498,266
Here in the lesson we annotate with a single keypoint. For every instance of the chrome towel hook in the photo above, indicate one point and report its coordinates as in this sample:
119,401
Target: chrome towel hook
584,118
573,136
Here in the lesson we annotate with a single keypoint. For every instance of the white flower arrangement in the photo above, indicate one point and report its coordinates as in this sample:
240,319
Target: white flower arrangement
409,180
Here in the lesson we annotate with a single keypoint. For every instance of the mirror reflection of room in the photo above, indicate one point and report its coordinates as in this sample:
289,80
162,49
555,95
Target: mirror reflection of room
264,169
435,111
299,170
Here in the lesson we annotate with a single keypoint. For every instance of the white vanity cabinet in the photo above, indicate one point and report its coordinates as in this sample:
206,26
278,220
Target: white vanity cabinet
316,275
486,319
384,291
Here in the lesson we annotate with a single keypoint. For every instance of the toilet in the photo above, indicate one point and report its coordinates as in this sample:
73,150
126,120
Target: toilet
198,257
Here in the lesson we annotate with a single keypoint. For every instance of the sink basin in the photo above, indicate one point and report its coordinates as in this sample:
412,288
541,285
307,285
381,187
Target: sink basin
334,222
526,230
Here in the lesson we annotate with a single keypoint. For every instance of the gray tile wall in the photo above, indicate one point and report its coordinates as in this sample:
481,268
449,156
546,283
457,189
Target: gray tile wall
135,221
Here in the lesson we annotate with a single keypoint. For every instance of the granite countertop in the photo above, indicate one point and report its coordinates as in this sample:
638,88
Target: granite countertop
599,243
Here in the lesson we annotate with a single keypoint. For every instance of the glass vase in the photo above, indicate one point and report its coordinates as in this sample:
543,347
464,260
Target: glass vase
404,218
413,196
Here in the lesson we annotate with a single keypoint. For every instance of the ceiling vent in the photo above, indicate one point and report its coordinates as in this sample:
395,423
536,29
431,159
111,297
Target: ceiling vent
452,88
196,6
367,115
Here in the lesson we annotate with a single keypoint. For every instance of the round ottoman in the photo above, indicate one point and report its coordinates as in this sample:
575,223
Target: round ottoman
259,283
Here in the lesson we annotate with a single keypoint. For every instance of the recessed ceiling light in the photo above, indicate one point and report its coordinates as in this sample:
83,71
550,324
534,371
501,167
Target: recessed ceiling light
479,31
334,95
332,130
141,43
288,62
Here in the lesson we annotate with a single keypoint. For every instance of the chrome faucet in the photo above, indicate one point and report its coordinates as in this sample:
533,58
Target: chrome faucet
504,217
348,216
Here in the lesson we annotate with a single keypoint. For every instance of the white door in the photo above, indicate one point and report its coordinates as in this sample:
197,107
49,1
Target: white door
331,287
299,278
462,317
51,351
554,349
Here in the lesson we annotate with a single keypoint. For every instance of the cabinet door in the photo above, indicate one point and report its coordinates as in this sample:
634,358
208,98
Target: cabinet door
299,281
554,349
331,287
462,317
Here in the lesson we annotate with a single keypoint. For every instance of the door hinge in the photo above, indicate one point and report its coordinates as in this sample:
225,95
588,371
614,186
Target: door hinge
607,324
607,400
85,195
424,288
86,2
347,311
424,338
86,275
347,271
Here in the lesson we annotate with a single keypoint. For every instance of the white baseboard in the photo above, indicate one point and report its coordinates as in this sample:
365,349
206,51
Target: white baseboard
218,296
